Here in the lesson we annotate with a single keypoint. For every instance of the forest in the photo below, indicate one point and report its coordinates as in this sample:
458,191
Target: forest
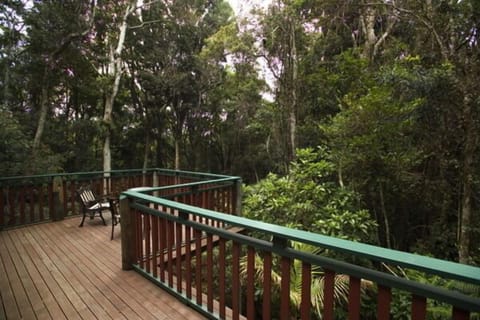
352,118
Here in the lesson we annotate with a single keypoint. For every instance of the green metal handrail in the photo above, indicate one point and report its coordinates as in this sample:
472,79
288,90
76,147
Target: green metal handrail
429,265
33,199
169,172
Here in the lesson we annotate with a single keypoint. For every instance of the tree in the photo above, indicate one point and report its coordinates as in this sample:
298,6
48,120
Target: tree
49,39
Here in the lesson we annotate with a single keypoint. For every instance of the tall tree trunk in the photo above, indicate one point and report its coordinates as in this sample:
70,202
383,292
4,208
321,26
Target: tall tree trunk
177,153
42,119
468,172
368,26
293,84
385,216
116,64
6,84
146,150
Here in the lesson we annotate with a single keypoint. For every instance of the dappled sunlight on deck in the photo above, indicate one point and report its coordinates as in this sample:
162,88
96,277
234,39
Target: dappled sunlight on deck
60,271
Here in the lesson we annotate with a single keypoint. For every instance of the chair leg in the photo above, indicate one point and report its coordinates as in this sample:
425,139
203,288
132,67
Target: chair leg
113,226
101,216
83,219
114,221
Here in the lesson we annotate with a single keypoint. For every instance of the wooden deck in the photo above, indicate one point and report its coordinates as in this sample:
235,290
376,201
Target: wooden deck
60,271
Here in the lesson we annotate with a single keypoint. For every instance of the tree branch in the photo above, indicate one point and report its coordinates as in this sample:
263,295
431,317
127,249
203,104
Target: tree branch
141,25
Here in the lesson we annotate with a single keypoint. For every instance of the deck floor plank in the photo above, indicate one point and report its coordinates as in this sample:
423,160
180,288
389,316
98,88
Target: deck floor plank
26,251
108,296
68,272
19,258
106,273
60,271
9,304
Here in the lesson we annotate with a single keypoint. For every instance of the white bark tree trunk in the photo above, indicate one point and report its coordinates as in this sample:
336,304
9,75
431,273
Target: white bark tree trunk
116,64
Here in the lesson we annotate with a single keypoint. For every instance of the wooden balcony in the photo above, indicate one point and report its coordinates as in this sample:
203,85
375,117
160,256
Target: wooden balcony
178,235
60,271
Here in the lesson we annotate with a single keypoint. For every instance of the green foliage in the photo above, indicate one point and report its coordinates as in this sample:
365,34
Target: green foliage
14,145
307,199
401,301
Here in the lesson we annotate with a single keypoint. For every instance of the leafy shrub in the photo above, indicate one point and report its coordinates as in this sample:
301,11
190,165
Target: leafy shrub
309,199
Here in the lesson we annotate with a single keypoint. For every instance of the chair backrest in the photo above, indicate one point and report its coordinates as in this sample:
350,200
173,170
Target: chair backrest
86,196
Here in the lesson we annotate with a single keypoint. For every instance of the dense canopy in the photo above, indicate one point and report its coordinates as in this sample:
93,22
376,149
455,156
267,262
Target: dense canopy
375,103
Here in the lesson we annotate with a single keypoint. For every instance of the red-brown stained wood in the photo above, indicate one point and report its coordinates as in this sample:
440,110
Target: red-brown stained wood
75,273
267,286
147,237
155,243
210,274
31,195
22,203
14,290
178,260
198,265
170,244
384,300
40,202
188,262
221,280
162,247
250,283
51,203
11,200
306,291
72,198
419,307
354,299
139,241
459,314
285,289
236,281
65,198
2,208
328,294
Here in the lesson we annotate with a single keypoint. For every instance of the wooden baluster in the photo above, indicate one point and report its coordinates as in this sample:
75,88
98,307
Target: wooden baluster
221,280
419,307
2,209
147,237
139,238
22,203
64,198
236,281
210,272
40,203
459,314
178,254
384,300
170,244
250,283
267,286
162,248
198,265
51,203
354,299
73,198
306,291
328,293
285,289
155,239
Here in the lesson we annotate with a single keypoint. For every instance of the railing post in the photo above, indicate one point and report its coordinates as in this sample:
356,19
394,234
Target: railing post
127,234
57,188
238,197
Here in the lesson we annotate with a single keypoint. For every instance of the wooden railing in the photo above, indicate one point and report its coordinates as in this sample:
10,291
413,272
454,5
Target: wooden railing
42,198
211,261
